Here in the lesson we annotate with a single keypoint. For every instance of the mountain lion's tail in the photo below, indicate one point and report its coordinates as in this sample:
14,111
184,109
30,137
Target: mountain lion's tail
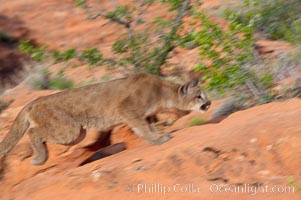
15,134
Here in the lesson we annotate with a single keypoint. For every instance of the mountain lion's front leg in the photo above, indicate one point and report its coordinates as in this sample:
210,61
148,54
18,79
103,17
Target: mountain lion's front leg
144,130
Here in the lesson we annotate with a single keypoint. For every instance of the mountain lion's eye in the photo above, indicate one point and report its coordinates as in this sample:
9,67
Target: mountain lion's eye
199,97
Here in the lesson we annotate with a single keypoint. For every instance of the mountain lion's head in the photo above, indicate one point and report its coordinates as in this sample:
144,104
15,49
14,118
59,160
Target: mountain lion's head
192,97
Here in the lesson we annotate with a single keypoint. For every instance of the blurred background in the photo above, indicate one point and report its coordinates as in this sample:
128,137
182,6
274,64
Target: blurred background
245,52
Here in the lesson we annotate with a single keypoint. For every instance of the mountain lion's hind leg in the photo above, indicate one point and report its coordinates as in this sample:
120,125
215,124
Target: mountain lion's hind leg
56,127
39,146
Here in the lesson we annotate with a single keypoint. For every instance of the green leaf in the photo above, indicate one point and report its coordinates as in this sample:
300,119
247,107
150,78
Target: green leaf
25,46
200,67
93,56
297,187
61,83
121,12
120,46
290,179
79,3
68,54
196,121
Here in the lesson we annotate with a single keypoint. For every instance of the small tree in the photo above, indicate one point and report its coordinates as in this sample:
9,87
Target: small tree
148,49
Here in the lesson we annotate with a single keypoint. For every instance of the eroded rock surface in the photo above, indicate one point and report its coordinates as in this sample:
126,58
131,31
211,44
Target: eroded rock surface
260,145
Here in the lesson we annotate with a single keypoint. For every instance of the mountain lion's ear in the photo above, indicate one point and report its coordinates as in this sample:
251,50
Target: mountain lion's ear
195,83
184,89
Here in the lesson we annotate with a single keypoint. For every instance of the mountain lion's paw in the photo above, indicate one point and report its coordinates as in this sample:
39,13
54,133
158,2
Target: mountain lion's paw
38,161
164,138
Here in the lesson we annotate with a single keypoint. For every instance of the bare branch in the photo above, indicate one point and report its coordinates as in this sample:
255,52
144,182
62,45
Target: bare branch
182,13
168,45
126,24
253,88
92,16
141,10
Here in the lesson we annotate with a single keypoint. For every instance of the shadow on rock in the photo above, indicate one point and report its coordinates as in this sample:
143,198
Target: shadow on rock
104,152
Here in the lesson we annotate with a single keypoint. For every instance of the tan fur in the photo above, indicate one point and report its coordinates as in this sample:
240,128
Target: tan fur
63,117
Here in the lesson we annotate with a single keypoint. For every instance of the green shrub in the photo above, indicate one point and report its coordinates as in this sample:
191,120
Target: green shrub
226,51
145,48
45,81
90,56
62,56
123,12
196,121
38,54
93,56
277,19
267,81
41,82
291,181
60,83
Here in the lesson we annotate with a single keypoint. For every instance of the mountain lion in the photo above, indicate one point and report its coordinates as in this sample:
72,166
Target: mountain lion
64,117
